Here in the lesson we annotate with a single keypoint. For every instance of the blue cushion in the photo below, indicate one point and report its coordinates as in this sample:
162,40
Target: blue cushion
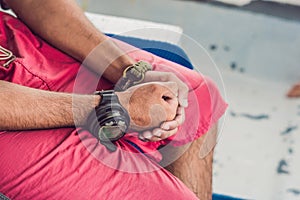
162,49
223,197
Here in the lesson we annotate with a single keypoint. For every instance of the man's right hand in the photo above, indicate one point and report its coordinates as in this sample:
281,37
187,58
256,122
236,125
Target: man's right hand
150,104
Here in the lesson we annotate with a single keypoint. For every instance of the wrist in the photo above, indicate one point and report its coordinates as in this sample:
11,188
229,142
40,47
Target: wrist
109,121
82,106
114,71
97,100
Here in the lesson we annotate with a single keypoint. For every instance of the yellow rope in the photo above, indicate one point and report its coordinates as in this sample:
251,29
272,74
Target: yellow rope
5,54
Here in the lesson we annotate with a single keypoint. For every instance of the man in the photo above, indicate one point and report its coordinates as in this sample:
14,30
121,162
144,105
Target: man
47,149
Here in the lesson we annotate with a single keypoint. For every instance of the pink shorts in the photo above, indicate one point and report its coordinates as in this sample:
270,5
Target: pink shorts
69,163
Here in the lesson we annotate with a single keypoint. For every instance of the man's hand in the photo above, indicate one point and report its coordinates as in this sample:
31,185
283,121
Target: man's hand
149,105
156,76
169,127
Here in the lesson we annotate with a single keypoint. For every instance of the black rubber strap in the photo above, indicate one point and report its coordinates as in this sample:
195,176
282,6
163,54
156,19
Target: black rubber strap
109,115
3,197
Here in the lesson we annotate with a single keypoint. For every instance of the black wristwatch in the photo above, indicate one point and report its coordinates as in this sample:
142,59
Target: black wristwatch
110,120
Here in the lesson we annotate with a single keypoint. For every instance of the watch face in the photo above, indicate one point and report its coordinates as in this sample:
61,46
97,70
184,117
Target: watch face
111,133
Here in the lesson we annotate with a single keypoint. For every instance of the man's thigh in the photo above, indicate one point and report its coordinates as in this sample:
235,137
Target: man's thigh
56,164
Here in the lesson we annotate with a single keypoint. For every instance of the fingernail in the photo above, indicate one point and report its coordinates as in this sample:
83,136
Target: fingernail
165,126
141,137
147,135
157,133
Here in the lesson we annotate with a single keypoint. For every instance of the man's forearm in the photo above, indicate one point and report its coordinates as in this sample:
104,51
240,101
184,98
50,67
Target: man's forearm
63,24
24,108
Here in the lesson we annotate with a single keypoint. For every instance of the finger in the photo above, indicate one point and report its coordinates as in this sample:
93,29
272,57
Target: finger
142,138
172,87
182,90
180,110
166,134
178,120
146,136
183,95
166,77
180,117
157,134
169,125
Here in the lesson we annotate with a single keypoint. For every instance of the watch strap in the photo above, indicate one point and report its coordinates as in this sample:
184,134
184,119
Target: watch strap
110,120
132,75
